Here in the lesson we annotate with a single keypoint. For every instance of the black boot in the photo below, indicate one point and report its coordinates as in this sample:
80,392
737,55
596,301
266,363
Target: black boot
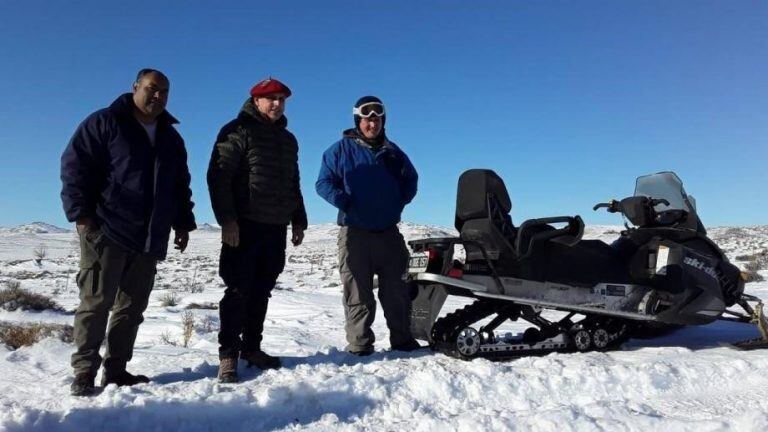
261,360
122,379
411,345
360,351
82,385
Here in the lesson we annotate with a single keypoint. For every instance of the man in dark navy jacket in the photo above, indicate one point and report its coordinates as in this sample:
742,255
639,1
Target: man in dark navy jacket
125,183
369,179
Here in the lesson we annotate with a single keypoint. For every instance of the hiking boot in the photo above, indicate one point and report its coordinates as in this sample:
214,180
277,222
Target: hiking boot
82,385
122,378
360,351
411,345
261,360
228,370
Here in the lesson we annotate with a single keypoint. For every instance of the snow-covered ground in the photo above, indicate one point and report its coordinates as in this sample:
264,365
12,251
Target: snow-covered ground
685,381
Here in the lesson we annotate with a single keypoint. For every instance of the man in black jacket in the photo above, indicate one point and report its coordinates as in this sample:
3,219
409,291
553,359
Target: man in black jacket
125,183
253,179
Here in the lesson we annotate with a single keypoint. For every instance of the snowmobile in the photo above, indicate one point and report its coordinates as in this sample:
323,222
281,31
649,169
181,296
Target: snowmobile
662,271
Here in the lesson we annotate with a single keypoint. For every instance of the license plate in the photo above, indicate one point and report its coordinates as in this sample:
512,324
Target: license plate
418,262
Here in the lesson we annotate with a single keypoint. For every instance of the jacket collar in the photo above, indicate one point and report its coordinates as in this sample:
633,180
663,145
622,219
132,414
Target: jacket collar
124,105
381,141
249,111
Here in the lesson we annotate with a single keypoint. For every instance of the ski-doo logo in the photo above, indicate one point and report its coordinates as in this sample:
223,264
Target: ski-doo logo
700,265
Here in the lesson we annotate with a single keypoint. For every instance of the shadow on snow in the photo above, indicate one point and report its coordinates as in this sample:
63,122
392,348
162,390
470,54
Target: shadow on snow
711,335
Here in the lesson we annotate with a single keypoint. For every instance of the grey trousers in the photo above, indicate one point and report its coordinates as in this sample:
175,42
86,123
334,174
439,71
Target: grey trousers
111,277
361,255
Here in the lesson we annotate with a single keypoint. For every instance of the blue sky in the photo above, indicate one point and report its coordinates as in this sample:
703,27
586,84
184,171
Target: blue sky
568,101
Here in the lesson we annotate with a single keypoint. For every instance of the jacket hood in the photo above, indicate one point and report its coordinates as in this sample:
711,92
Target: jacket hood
249,110
125,106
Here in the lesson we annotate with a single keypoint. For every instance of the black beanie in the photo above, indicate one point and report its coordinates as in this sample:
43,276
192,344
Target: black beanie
364,100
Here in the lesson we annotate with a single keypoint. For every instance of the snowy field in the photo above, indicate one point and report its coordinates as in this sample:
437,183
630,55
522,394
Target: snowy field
686,381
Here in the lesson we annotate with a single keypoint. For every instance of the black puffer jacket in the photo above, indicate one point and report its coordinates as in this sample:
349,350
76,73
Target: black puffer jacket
254,172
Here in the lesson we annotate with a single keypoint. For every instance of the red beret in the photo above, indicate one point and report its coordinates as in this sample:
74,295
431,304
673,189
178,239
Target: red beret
269,86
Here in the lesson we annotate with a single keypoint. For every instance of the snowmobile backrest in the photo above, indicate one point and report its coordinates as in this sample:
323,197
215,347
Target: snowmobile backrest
479,191
482,215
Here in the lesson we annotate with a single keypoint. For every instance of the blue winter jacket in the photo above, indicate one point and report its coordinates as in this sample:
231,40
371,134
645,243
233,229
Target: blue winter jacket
369,187
135,191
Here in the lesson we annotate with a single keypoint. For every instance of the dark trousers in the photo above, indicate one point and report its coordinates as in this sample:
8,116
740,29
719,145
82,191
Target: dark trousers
363,254
111,277
250,272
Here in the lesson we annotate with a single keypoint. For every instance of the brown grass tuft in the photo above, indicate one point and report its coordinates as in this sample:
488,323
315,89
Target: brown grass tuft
752,276
18,335
14,297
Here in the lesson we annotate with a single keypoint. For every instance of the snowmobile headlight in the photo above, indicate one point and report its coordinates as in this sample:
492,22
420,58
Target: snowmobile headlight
662,258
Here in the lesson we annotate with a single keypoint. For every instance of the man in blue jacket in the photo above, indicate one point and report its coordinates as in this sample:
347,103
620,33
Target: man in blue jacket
125,184
369,179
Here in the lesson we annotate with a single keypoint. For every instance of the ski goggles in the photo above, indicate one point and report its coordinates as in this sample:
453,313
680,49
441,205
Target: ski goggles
369,109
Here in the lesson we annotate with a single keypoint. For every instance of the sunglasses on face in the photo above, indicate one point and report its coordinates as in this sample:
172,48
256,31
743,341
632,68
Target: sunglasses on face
369,109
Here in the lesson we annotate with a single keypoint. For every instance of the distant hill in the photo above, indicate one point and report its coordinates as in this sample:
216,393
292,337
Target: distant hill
208,227
733,240
36,228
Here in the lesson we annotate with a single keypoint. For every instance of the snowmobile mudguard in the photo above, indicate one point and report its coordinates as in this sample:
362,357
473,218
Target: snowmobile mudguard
425,308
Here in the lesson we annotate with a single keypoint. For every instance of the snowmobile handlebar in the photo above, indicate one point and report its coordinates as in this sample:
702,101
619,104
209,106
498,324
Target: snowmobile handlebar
641,210
611,205
614,206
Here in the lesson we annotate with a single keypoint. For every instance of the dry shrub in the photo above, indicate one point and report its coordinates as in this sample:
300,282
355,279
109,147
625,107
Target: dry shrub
735,232
752,276
169,298
17,335
205,305
760,257
207,324
14,297
188,327
167,339
192,285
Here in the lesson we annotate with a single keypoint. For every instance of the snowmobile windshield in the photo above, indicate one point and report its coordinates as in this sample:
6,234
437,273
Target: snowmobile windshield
667,185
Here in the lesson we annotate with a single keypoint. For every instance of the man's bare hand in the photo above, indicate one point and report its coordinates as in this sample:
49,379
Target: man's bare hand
230,234
84,224
297,235
181,239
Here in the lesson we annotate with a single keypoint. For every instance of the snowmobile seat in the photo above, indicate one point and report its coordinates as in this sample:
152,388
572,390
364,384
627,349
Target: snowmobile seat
487,231
587,262
535,232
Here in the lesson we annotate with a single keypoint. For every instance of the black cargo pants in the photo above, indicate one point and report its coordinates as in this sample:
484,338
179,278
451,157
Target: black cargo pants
250,272
111,277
